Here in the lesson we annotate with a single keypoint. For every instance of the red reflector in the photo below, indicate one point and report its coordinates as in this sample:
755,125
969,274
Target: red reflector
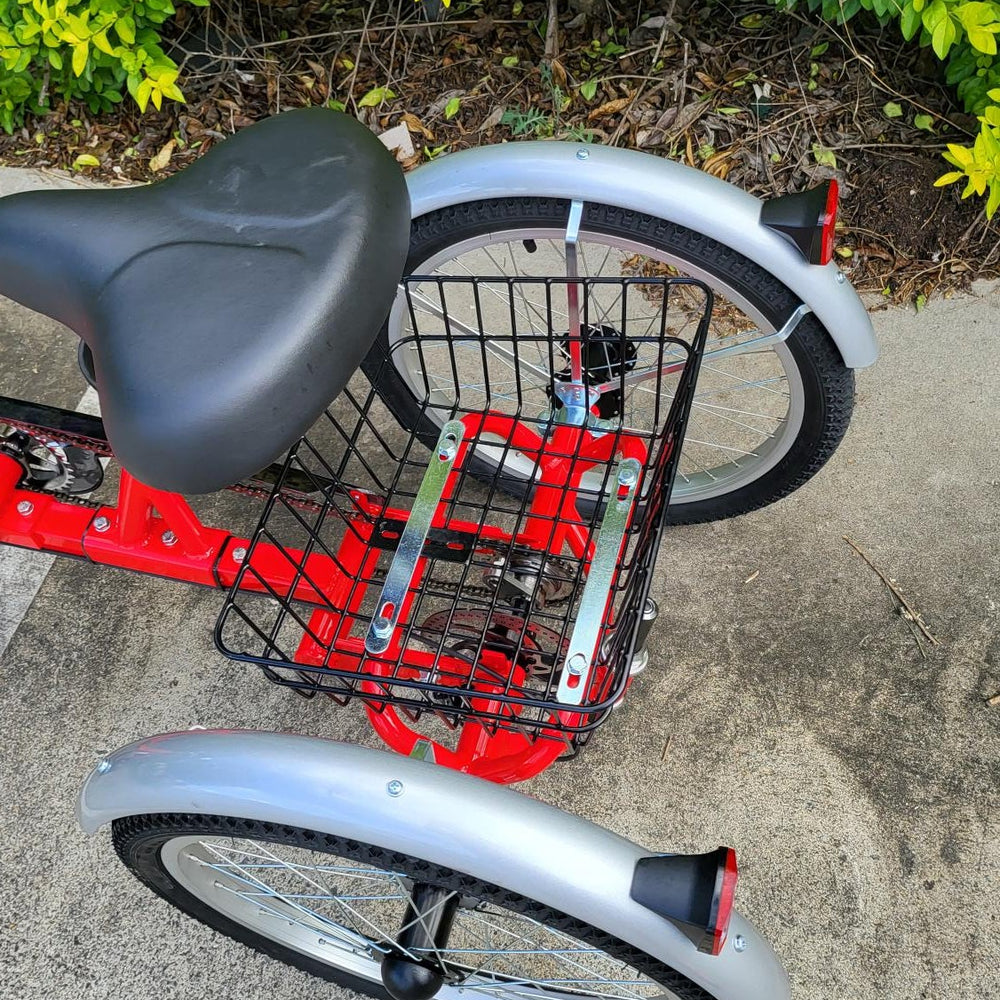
828,222
725,891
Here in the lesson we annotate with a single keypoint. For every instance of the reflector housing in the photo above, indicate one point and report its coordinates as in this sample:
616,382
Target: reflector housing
694,892
807,220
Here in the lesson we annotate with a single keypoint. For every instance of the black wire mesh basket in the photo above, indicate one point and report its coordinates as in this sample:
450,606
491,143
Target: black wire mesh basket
469,530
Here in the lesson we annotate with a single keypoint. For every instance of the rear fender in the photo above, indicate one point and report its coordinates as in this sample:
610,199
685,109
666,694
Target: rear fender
421,809
658,187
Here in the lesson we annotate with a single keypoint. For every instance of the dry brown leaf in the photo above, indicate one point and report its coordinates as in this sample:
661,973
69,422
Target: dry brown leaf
718,165
414,124
162,159
611,108
558,73
706,80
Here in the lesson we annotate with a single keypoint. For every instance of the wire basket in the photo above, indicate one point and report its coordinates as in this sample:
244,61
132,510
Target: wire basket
469,532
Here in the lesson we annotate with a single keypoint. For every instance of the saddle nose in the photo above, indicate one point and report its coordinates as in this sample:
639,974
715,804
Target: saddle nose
227,305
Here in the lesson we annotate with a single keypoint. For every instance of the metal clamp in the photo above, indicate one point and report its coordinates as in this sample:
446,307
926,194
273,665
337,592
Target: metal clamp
579,662
411,543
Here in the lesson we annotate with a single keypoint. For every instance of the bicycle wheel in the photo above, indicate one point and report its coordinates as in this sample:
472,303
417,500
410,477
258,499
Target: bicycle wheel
762,422
333,907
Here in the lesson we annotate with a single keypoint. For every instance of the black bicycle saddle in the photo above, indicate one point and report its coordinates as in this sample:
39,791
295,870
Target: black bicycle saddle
225,306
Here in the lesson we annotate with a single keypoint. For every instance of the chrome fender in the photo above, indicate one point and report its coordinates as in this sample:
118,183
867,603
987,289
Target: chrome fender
422,809
659,187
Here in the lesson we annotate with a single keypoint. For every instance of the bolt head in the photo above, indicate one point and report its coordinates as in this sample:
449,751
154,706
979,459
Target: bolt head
841,277
25,507
382,625
101,523
577,664
168,538
395,788
103,766
627,476
239,554
739,943
583,154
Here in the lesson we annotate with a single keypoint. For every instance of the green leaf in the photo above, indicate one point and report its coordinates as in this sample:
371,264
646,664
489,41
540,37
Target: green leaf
729,111
376,96
943,37
823,156
909,21
588,90
818,50
923,122
452,107
892,110
509,62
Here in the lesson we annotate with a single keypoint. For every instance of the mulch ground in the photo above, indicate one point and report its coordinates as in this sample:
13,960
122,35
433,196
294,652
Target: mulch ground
771,102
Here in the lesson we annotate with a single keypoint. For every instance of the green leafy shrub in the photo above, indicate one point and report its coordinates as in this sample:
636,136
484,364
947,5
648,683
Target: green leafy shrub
87,50
963,34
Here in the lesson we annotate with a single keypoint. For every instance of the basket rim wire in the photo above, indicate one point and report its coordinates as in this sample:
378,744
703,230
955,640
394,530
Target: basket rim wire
317,594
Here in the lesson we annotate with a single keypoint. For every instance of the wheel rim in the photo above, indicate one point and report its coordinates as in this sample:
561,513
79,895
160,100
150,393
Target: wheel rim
345,913
748,409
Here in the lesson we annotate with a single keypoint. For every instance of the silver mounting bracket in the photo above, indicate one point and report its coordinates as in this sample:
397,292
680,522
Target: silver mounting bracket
411,542
579,663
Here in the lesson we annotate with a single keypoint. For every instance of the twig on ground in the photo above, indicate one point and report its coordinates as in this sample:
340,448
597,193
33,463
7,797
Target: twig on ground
911,615
670,739
994,700
552,32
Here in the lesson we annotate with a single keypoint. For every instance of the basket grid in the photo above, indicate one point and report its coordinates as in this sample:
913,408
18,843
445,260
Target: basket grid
494,599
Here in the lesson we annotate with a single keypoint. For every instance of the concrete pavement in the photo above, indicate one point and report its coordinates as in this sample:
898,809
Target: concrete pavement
858,778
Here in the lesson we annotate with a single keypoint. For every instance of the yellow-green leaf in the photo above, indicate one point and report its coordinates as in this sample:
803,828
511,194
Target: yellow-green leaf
982,39
823,156
452,107
80,54
950,178
892,110
101,41
85,160
376,96
142,93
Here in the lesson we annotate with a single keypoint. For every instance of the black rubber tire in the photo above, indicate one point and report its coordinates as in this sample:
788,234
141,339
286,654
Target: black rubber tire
138,841
828,384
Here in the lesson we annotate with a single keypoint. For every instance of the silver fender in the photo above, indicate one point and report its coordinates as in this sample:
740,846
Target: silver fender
448,818
645,183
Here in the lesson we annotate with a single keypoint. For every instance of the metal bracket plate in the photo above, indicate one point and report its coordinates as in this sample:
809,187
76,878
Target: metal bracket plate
579,663
411,543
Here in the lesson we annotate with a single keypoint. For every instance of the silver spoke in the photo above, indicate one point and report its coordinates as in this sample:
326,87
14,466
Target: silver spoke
287,894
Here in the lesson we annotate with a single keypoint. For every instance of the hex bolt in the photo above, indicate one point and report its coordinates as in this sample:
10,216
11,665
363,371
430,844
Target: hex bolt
25,507
382,626
627,475
583,154
577,664
448,449
239,554
168,538
739,943
101,523
841,277
103,766
395,788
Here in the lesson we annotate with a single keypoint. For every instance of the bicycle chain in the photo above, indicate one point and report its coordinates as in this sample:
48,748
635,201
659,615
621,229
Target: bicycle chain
103,450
